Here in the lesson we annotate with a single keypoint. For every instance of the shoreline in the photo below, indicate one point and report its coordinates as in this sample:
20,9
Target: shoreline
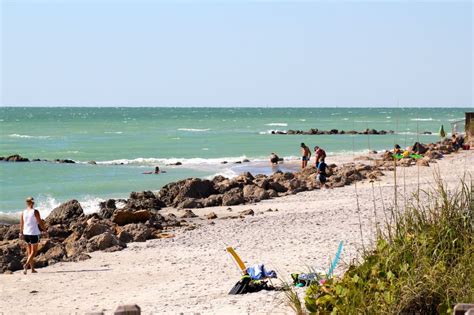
192,272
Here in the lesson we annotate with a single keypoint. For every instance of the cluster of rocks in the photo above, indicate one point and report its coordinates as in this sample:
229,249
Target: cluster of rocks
431,152
19,158
71,234
246,188
316,131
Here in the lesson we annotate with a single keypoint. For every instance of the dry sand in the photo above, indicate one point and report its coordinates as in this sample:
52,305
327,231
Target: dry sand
192,272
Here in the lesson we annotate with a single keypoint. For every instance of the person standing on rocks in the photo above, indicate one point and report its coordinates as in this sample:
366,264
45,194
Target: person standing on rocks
320,155
30,224
306,155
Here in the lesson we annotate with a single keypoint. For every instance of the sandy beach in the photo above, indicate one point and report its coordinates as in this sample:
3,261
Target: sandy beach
192,272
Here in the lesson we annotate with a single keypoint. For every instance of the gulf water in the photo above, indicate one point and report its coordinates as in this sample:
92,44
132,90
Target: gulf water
125,142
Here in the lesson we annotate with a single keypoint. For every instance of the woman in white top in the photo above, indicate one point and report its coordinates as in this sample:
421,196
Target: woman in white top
30,223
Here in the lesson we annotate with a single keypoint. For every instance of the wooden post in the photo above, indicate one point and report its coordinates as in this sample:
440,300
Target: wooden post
469,128
130,309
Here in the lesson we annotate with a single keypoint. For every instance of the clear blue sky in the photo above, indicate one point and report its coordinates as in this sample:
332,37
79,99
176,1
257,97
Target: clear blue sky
236,53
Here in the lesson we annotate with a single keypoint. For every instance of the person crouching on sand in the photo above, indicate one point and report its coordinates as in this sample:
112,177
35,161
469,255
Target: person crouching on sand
274,159
306,155
321,174
30,224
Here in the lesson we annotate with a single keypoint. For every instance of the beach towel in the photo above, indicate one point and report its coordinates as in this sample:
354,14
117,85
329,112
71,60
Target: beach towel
258,272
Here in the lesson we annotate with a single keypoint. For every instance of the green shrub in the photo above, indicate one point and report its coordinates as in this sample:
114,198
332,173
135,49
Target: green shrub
422,263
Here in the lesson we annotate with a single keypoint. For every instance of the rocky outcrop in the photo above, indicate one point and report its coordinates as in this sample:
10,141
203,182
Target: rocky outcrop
66,213
174,194
16,158
316,131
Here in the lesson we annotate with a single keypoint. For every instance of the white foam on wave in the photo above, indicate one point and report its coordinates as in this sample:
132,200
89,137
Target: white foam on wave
229,173
114,132
193,129
164,161
422,119
302,119
46,203
16,135
277,124
269,132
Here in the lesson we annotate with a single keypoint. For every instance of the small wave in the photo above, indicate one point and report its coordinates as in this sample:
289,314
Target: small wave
422,119
114,132
193,129
164,161
302,119
269,132
46,204
277,124
15,135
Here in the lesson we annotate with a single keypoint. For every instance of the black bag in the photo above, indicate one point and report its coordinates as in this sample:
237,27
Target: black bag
241,287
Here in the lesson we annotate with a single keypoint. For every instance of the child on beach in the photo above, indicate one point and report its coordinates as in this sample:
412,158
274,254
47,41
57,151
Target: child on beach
30,224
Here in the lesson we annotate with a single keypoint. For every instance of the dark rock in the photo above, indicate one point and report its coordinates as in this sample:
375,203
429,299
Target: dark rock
67,161
16,158
102,242
92,162
175,193
94,229
212,201
245,160
190,203
123,217
107,208
254,193
65,213
11,256
53,255
211,216
188,214
247,212
233,197
138,232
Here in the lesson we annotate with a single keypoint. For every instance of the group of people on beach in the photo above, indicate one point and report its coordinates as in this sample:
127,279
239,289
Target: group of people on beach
320,156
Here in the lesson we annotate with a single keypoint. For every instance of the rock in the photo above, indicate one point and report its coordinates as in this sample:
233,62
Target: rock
225,185
102,242
254,193
247,212
212,201
224,162
137,233
74,245
433,154
233,197
107,208
422,162
211,216
245,160
123,217
53,255
11,256
65,161
92,162
94,229
58,231
188,214
11,232
277,186
66,213
175,193
143,200
190,203
175,164
16,158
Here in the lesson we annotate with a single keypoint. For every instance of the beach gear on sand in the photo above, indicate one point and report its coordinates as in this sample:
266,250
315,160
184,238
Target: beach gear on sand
306,279
247,284
259,272
413,155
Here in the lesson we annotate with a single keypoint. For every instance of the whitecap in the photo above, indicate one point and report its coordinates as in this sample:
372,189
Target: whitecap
421,119
114,132
302,119
15,135
193,129
277,124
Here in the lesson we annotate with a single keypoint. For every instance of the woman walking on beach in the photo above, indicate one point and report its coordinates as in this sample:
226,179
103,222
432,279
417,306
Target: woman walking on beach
30,223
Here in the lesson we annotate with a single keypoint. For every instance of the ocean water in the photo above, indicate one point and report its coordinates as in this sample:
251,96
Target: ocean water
125,142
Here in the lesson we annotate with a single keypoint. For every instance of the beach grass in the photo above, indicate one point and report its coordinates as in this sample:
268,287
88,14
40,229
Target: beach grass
420,263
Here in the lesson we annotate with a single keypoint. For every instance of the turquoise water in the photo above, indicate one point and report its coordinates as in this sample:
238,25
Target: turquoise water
201,138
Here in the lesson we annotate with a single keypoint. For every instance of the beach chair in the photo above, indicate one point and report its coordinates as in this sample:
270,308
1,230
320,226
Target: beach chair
239,262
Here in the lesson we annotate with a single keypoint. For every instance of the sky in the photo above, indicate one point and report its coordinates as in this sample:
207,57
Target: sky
236,53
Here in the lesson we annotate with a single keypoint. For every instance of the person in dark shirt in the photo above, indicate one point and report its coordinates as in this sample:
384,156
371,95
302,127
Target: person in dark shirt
321,174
